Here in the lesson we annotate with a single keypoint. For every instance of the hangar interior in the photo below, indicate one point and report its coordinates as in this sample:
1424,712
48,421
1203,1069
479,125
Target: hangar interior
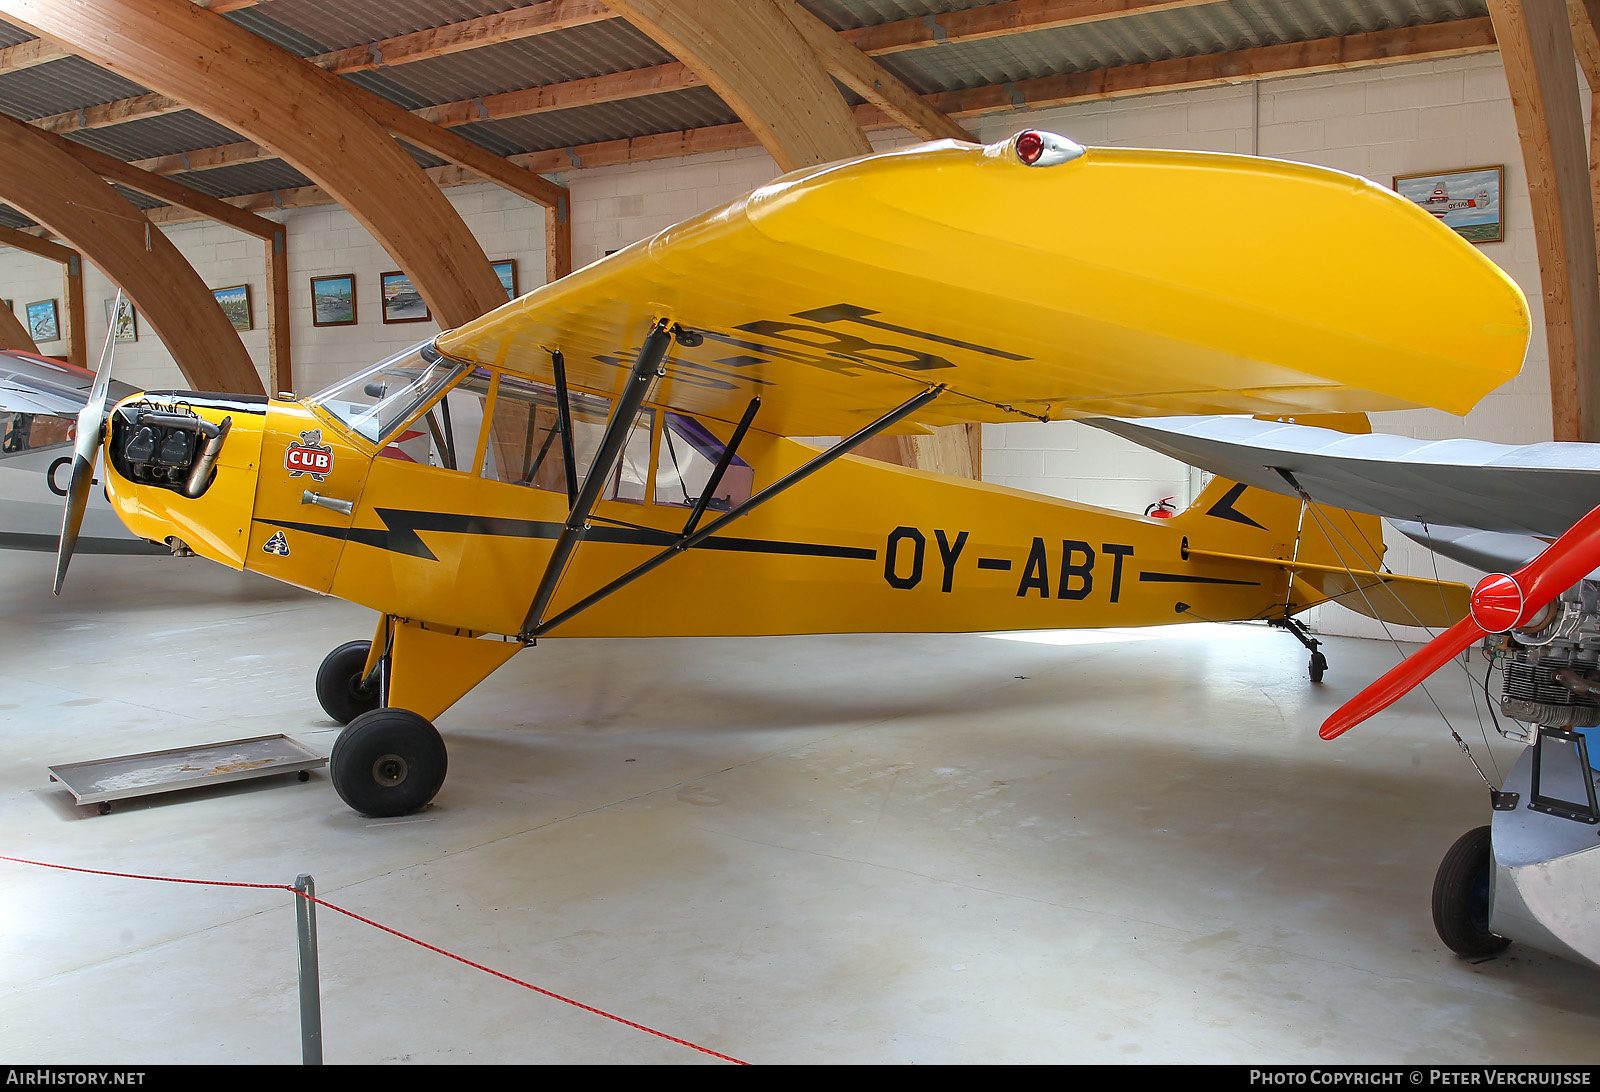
1123,846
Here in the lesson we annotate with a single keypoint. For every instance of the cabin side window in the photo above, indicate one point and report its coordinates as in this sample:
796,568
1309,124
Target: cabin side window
20,432
689,456
525,446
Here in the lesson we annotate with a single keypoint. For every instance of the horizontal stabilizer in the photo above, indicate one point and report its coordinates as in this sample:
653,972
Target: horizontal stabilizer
1536,489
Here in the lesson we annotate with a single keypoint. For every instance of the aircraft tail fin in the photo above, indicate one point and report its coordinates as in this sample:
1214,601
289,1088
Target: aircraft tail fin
1322,554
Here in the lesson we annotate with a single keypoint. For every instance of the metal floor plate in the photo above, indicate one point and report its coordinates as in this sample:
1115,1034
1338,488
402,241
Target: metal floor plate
107,779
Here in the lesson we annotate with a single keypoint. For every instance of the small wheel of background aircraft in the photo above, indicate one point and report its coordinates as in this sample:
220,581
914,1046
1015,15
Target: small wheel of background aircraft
525,476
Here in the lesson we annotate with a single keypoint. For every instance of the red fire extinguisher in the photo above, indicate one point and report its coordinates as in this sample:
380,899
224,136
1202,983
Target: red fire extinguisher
1162,509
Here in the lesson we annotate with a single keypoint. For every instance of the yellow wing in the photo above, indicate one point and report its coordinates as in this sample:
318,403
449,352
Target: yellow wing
1118,283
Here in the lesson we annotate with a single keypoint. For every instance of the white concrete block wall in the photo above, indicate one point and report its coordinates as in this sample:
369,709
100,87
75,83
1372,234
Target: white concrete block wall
1377,122
322,240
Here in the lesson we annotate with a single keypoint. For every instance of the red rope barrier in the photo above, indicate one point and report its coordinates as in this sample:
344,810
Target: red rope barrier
394,932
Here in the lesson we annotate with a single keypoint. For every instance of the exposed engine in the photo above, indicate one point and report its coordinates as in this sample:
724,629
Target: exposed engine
1551,666
168,446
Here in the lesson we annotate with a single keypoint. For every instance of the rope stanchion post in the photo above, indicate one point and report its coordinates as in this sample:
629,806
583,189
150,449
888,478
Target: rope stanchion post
305,920
311,1003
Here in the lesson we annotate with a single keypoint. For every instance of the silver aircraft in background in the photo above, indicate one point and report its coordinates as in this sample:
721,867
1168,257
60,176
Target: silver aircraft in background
39,403
1533,873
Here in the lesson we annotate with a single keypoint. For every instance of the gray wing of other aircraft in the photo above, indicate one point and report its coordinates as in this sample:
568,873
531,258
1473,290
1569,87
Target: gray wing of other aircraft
1533,490
39,403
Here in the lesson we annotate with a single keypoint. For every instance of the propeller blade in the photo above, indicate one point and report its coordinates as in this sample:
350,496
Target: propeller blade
1499,603
86,449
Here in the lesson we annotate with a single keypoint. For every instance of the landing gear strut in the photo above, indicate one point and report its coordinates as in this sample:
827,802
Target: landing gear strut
1319,662
388,762
342,687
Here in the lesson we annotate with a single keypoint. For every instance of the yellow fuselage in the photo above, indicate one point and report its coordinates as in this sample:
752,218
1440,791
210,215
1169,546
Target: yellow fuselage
862,546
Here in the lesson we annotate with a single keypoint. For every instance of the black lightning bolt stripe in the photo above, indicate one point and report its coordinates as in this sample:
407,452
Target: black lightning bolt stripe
400,534
1175,578
1224,508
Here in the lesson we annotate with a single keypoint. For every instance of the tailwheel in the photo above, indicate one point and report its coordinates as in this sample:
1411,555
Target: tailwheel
1461,898
388,762
341,686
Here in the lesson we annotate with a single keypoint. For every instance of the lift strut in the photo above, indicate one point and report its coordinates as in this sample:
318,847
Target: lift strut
691,538
646,369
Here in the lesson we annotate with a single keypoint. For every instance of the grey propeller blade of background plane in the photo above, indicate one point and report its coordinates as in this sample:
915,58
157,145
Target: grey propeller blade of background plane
86,450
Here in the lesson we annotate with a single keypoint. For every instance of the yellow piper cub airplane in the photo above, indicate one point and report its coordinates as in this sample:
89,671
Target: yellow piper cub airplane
527,474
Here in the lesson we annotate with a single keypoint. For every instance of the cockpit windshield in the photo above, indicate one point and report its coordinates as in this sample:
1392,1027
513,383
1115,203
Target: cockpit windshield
379,400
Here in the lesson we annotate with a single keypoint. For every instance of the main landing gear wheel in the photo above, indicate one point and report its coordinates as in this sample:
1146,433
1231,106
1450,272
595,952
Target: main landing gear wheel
1461,898
339,686
1319,665
388,762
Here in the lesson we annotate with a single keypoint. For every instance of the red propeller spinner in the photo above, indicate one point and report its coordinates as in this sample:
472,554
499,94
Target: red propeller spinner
1499,603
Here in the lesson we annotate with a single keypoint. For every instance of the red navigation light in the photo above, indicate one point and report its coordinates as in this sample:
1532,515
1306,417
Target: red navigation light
1030,146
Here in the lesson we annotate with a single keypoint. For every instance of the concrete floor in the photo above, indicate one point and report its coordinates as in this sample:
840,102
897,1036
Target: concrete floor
1131,848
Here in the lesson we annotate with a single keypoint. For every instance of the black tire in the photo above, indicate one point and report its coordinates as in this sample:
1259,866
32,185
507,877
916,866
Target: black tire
1319,664
388,762
339,688
1461,898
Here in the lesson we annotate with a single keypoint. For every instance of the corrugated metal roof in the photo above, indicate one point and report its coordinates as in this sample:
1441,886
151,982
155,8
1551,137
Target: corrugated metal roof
1136,39
316,26
340,23
137,199
848,14
591,50
61,85
10,35
230,181
11,218
691,108
165,134
259,22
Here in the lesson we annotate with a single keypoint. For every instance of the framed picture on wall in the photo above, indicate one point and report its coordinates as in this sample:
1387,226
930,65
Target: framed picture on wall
235,303
1466,199
333,300
507,272
44,321
125,323
401,301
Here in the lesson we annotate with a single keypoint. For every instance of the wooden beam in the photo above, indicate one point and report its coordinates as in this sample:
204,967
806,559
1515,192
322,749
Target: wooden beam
27,54
505,26
31,243
1328,54
758,63
612,87
557,241
1537,50
1016,17
14,335
77,205
1434,40
280,367
997,20
77,320
869,79
1584,18
457,149
307,116
113,169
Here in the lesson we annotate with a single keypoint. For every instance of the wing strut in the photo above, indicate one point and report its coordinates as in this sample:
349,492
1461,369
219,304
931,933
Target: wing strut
646,369
691,538
558,362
